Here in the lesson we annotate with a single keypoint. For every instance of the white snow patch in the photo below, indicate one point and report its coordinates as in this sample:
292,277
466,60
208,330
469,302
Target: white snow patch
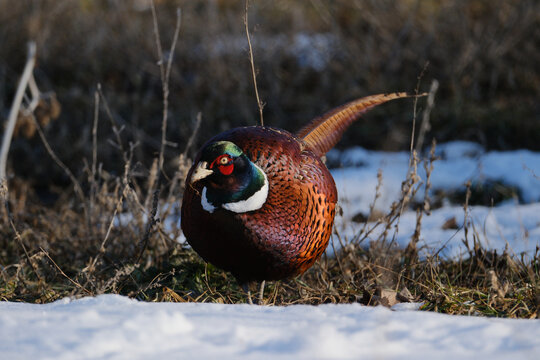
509,225
114,327
310,50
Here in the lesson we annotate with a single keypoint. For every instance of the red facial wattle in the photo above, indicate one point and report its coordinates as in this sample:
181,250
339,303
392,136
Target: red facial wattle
224,164
226,169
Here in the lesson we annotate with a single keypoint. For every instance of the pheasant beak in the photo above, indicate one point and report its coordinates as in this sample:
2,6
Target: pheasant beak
201,172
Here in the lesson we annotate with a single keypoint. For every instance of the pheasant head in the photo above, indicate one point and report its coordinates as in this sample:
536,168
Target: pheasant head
229,179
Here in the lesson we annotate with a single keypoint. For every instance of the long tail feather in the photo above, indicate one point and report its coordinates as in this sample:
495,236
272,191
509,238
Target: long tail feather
325,131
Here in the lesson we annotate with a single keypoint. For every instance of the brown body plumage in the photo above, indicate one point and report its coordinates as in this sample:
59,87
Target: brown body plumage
288,218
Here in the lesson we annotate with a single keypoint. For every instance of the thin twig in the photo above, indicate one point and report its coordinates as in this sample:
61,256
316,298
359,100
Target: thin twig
117,208
407,187
4,200
416,91
181,171
153,221
165,72
117,130
92,175
173,45
425,126
15,106
525,167
356,238
428,167
408,191
336,232
260,104
64,274
465,240
94,134
52,154
34,91
3,192
193,134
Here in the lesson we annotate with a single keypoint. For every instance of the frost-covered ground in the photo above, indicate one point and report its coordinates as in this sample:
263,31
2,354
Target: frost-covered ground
114,327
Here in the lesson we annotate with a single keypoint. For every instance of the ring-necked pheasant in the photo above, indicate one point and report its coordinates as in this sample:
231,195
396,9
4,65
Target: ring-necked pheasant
259,202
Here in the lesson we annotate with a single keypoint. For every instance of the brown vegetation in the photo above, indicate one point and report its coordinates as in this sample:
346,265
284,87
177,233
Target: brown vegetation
106,237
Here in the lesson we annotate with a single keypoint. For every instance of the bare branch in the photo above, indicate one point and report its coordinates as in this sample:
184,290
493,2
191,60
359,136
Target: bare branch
77,186
165,72
425,126
15,106
416,90
63,273
117,130
252,62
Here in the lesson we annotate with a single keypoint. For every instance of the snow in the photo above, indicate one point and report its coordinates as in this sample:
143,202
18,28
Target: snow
508,225
459,162
310,50
115,327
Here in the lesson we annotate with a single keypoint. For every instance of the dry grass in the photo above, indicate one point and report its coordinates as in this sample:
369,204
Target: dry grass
66,260
79,249
112,238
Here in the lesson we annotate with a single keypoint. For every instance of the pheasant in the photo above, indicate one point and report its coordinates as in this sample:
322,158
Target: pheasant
260,203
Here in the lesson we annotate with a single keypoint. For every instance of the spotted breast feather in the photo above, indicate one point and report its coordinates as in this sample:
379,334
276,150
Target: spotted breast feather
259,202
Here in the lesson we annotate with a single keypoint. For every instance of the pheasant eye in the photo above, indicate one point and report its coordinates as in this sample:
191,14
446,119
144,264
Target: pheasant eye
220,160
224,160
224,164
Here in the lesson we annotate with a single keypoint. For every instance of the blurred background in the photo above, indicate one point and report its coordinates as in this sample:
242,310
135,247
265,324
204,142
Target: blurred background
310,56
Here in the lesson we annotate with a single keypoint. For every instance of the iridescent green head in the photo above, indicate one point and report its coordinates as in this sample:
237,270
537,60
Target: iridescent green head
231,180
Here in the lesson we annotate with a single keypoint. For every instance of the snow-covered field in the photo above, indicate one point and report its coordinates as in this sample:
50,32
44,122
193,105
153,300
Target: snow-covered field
115,327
